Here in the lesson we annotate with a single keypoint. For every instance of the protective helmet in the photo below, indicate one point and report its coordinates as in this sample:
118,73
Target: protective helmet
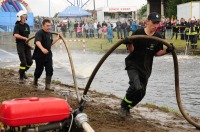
19,14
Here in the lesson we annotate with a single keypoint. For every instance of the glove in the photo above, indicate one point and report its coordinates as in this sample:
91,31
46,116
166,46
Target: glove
127,41
170,49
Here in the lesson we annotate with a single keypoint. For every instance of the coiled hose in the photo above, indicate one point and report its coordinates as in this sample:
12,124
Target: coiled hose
176,71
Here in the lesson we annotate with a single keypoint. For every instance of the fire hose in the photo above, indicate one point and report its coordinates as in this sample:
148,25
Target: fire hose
81,119
176,71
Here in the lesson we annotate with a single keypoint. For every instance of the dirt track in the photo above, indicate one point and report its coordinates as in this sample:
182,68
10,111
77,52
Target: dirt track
102,109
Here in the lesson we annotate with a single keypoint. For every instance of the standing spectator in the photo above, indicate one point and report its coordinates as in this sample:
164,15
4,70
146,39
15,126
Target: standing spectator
134,26
175,28
69,22
83,30
108,24
79,31
99,27
42,53
168,26
110,35
104,24
95,29
63,29
86,28
160,28
119,29
100,32
141,24
128,27
71,29
182,28
124,28
163,29
105,30
91,29
75,27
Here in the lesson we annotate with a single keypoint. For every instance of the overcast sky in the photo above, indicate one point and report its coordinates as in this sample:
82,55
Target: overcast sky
41,7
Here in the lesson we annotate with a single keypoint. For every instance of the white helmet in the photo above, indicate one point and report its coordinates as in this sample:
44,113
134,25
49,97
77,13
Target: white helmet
19,14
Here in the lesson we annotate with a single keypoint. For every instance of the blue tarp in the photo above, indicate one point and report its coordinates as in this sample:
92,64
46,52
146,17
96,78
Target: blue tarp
74,11
8,19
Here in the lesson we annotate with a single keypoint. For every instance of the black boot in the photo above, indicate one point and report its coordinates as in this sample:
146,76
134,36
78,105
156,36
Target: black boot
21,76
35,81
48,83
25,76
124,110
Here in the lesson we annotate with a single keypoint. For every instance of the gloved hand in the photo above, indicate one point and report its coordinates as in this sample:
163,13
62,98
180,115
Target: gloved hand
170,49
127,41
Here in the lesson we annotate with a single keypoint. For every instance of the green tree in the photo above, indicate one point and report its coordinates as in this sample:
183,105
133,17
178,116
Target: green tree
142,11
171,9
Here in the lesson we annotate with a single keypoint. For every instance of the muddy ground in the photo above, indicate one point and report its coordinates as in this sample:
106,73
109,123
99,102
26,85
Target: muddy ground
102,109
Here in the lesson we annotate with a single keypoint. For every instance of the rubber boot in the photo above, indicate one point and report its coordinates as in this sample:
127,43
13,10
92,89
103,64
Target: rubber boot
25,76
124,110
21,79
48,83
35,82
21,76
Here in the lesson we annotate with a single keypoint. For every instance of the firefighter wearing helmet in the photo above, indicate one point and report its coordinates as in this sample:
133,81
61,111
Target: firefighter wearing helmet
191,32
21,34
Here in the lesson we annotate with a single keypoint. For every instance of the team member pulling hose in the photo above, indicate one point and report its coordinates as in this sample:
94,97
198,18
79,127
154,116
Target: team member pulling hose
42,53
139,63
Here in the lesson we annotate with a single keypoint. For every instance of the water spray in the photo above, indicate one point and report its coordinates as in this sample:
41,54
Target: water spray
188,42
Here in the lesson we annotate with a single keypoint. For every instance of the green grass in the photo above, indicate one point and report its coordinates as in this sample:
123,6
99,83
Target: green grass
95,45
9,70
162,108
166,109
56,82
102,45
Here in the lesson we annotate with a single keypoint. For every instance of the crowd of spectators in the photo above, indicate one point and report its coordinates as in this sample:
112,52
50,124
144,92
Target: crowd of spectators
84,28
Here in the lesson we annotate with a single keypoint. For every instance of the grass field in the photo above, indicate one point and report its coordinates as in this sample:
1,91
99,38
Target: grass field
102,45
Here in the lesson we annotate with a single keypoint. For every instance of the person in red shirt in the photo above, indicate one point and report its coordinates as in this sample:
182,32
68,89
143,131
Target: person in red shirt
63,28
161,29
79,31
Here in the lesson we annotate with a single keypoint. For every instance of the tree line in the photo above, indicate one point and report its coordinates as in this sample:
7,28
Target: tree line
171,8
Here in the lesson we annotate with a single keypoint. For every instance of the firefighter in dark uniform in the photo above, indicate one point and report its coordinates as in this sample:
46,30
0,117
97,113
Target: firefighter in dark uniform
198,29
191,33
21,33
42,53
139,63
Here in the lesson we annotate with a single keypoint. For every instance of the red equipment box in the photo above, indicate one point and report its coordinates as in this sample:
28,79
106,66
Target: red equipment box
34,110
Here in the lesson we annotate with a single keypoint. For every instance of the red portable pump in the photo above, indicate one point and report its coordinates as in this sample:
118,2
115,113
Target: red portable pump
49,114
22,113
